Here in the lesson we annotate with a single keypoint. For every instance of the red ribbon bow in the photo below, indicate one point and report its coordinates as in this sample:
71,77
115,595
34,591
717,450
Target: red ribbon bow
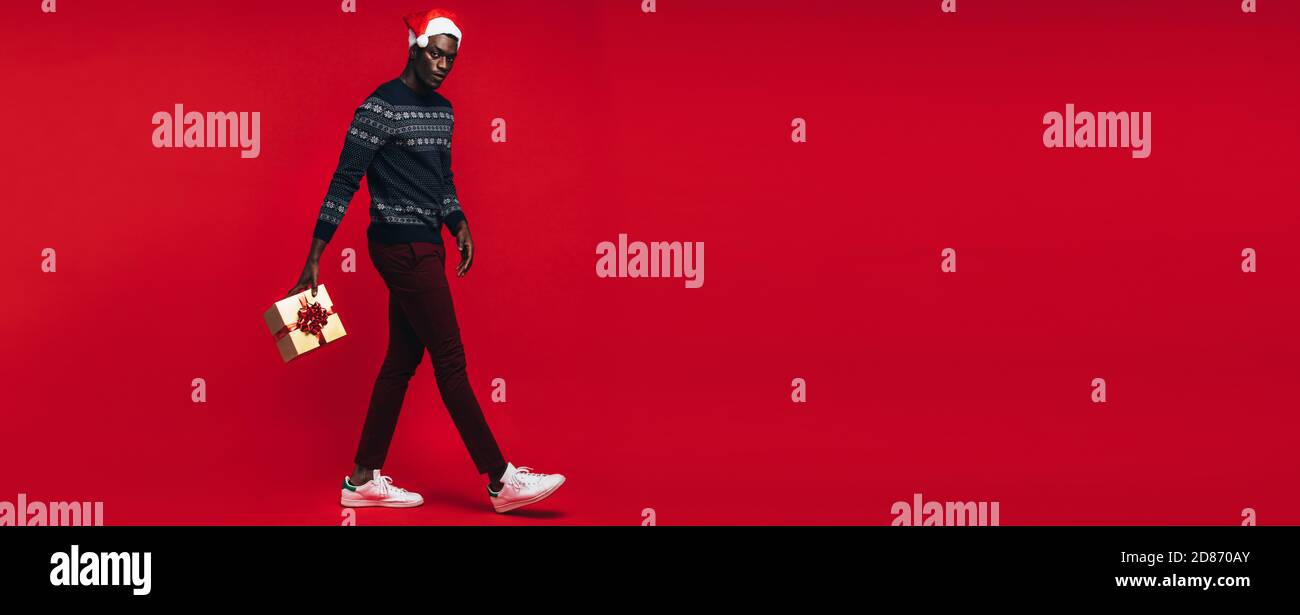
312,318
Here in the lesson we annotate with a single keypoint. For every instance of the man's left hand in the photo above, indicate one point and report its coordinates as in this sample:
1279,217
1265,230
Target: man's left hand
465,244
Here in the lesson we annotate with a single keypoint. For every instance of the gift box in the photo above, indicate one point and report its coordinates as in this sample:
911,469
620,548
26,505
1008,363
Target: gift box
302,323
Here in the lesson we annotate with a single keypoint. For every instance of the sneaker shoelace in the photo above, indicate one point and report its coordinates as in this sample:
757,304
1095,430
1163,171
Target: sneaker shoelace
387,487
524,477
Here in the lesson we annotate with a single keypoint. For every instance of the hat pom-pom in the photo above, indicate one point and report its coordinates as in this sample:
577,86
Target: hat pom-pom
422,41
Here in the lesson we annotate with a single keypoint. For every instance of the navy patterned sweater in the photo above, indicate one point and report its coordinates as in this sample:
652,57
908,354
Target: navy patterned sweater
402,142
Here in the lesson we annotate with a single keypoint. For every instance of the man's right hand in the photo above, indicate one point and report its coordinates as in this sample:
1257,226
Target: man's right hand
310,273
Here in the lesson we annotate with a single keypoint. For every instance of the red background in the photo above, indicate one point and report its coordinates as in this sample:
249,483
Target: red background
821,261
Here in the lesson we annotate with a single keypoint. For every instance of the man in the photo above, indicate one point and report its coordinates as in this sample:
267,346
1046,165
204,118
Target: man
400,138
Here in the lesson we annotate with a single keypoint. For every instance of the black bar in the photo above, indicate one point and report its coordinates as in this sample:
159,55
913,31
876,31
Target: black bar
209,563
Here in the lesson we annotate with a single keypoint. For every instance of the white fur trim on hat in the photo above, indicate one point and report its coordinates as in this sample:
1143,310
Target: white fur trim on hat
438,25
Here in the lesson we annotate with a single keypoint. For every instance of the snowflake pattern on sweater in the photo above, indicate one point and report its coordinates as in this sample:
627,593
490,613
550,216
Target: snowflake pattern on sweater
401,142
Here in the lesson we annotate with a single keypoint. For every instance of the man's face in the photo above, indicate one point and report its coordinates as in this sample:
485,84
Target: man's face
434,63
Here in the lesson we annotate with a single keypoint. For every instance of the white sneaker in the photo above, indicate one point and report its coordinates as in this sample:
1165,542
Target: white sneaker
522,487
378,492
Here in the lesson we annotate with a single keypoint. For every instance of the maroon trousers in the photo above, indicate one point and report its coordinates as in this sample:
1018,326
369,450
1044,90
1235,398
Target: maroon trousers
421,318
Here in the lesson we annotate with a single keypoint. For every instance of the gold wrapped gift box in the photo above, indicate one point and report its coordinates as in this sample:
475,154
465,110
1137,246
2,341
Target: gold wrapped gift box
302,323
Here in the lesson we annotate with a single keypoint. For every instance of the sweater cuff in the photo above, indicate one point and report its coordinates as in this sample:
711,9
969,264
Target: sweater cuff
324,230
453,220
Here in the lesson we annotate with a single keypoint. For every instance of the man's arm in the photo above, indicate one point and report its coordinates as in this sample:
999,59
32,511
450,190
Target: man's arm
369,131
450,212
454,219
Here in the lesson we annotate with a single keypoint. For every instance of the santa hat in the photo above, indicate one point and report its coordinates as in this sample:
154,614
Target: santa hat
421,26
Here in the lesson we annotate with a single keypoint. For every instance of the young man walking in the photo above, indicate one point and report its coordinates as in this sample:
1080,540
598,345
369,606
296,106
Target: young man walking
400,138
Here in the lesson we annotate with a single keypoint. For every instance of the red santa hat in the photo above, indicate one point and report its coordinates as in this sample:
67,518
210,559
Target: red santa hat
423,25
